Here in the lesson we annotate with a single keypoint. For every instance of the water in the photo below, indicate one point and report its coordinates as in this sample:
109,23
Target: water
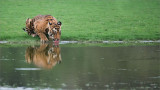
90,67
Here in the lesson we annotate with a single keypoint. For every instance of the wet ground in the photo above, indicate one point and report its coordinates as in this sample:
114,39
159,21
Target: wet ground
80,67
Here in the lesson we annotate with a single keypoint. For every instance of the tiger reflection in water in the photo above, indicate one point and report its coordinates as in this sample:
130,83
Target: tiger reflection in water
45,56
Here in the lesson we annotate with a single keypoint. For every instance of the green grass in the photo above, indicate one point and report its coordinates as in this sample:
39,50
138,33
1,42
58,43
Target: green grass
92,20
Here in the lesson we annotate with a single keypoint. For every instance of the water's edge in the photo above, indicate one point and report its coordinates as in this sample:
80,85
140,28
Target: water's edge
67,42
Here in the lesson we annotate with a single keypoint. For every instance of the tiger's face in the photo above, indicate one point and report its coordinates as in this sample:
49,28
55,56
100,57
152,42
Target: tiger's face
52,23
55,31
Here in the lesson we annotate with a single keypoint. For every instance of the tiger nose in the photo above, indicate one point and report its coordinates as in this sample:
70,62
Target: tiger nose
57,39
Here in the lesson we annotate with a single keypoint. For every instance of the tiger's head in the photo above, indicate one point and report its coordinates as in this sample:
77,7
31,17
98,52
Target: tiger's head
55,30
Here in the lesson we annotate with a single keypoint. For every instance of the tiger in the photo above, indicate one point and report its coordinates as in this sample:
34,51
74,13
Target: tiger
43,26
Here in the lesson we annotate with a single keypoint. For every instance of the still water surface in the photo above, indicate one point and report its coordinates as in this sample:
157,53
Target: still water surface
89,67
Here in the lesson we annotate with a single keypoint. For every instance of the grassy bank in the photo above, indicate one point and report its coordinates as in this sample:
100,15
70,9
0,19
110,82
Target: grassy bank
93,20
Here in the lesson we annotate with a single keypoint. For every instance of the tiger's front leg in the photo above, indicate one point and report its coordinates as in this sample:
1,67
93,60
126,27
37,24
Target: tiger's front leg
43,37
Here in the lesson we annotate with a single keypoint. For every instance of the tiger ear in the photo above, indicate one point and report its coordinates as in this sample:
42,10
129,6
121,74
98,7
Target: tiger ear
59,23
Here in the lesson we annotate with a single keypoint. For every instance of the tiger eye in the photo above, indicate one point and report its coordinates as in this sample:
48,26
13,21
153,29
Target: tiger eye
50,23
